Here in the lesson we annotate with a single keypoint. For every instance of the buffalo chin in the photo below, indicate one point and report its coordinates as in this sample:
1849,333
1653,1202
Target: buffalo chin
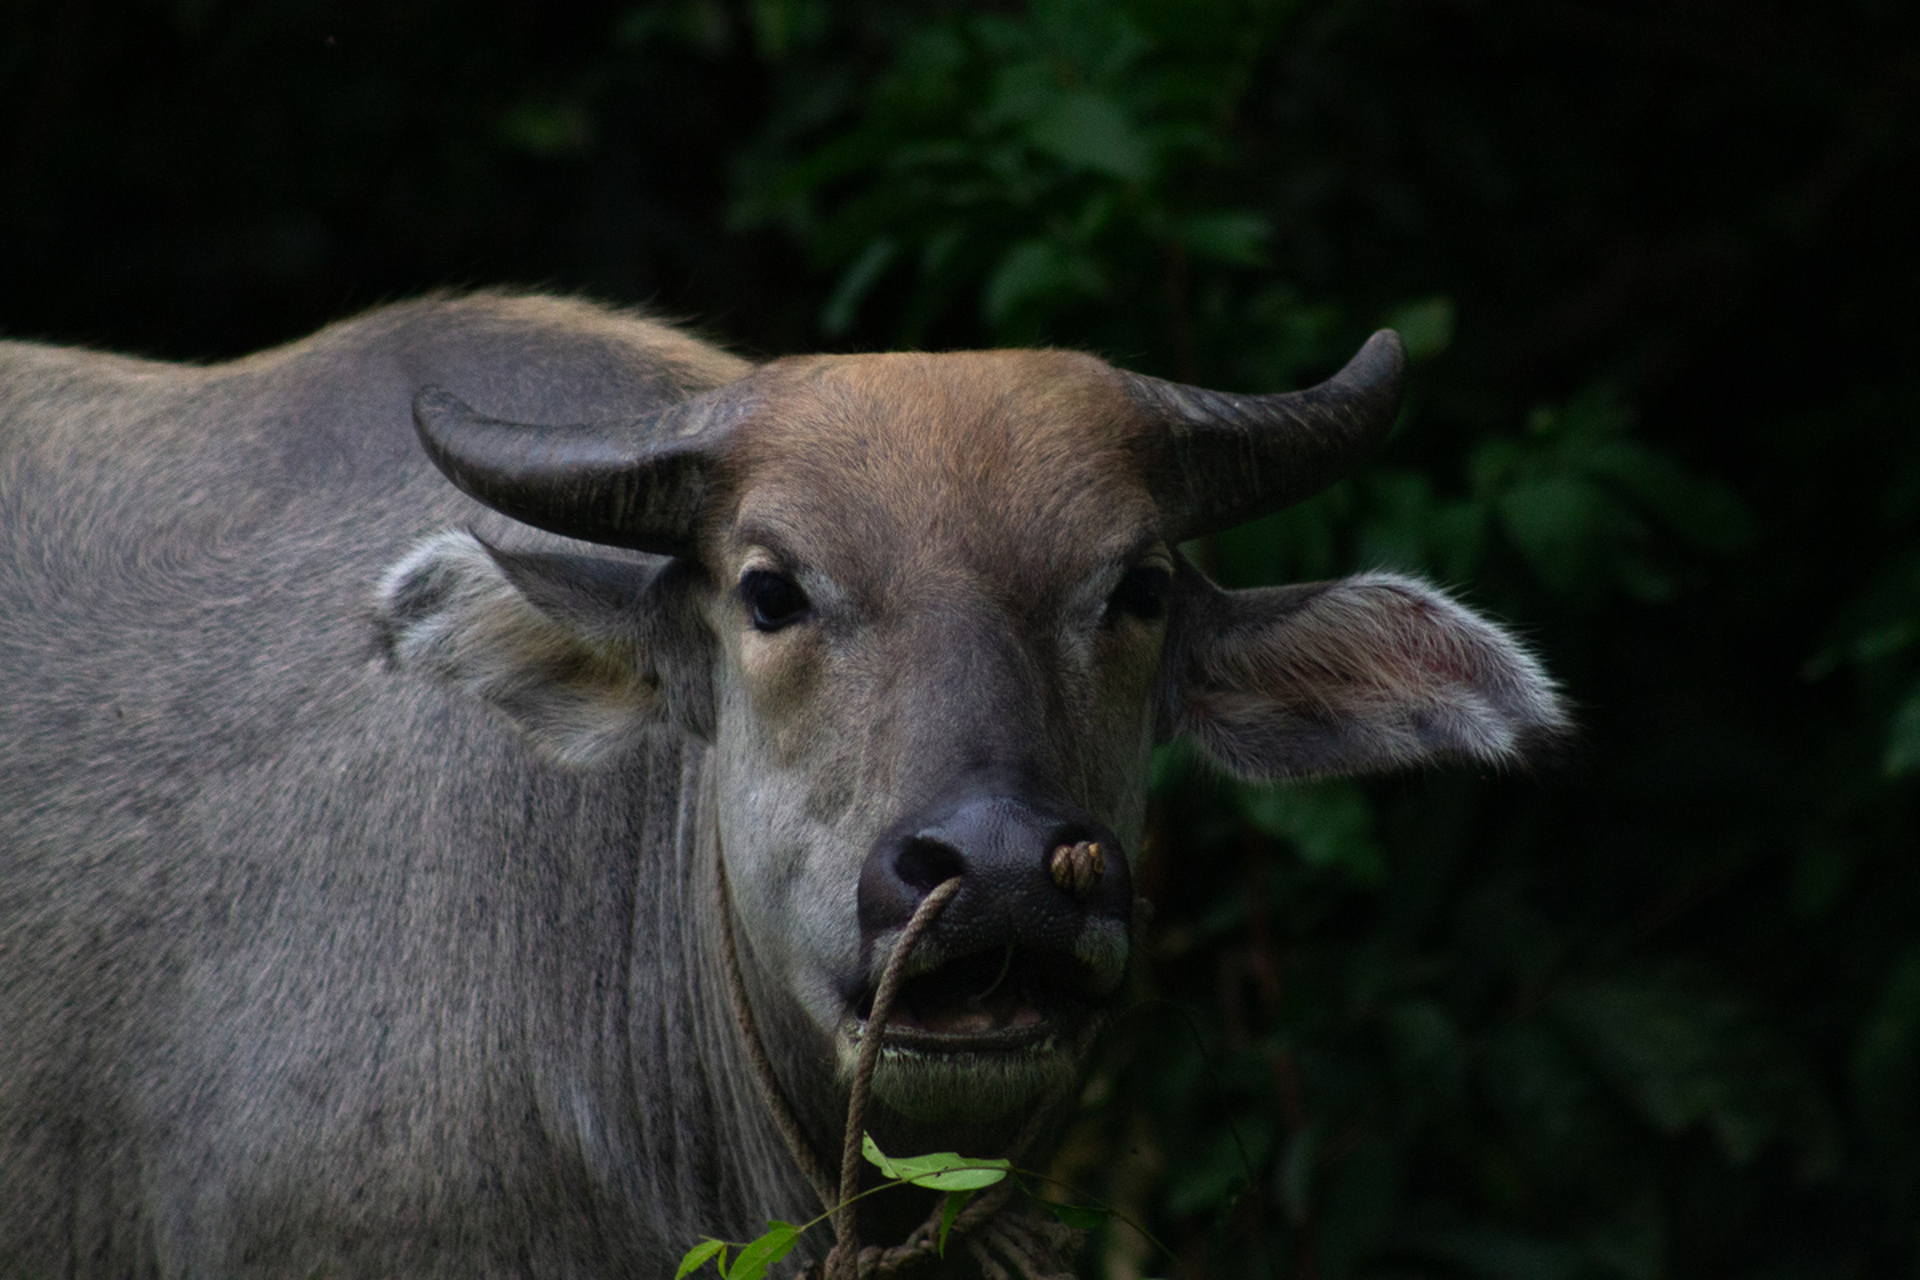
974,1090
931,1086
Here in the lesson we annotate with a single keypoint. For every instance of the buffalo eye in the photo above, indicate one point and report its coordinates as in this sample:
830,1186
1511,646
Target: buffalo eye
1142,594
773,600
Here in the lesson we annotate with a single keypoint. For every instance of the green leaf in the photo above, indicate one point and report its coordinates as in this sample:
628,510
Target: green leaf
949,1210
939,1171
697,1256
757,1255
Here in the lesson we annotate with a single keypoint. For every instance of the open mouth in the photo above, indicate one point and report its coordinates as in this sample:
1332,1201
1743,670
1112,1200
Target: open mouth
1001,999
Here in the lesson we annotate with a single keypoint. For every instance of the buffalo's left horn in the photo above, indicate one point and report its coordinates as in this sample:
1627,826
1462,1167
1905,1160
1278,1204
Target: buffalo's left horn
639,483
1223,459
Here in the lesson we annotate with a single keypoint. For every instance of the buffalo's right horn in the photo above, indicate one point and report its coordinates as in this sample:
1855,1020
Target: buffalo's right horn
1222,459
640,483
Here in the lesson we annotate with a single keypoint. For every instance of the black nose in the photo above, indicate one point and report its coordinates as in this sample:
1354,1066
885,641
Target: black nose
1032,873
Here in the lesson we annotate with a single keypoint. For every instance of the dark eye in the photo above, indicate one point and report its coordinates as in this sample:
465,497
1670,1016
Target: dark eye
773,599
1141,594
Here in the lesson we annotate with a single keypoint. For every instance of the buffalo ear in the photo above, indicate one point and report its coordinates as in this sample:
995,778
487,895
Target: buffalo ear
1366,673
581,653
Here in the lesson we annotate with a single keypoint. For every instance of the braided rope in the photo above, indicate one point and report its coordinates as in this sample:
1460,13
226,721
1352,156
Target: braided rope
847,1243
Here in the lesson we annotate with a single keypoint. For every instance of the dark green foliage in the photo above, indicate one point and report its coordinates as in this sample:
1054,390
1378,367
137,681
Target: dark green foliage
1653,1010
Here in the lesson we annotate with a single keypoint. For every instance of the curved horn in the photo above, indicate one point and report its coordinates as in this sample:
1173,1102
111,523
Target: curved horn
1225,459
638,483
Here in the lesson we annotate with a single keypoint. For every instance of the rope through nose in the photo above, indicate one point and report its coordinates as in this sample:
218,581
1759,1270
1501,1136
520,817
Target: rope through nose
1030,1243
846,1249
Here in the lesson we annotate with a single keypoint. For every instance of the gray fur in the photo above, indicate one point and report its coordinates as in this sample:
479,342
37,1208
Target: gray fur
358,845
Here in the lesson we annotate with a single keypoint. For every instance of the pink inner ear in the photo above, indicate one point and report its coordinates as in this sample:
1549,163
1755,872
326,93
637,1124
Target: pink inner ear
1446,661
1417,639
1452,673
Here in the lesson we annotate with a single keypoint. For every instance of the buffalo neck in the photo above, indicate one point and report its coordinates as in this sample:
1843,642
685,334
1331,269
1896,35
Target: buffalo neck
720,1167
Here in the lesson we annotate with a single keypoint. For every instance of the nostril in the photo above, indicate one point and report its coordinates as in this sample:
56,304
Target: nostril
925,864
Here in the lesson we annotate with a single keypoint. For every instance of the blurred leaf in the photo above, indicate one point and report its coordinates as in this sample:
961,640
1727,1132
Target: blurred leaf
1903,737
548,128
1428,1052
1550,1102
1685,1051
1407,527
1329,824
702,25
1362,1195
1886,1056
836,317
1037,271
1089,131
1591,509
1881,622
1564,525
782,27
1705,515
1426,327
1211,1172
1299,1172
1231,236
1173,765
1630,1243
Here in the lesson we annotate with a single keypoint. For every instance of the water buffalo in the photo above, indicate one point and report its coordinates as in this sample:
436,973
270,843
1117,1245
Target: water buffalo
362,835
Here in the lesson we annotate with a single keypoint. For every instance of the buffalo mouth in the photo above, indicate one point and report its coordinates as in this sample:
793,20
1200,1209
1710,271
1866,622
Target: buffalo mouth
1003,999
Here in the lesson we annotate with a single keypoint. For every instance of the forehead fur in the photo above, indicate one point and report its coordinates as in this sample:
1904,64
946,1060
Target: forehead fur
1008,462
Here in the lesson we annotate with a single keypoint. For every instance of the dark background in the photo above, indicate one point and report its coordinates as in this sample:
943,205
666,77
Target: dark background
1652,1011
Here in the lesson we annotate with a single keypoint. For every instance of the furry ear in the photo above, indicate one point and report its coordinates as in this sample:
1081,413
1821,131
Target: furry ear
1367,673
581,653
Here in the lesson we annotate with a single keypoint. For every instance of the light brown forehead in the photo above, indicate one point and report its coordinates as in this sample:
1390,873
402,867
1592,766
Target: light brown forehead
1013,462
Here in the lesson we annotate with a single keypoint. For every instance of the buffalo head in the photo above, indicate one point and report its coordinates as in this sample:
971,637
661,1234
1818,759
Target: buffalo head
930,614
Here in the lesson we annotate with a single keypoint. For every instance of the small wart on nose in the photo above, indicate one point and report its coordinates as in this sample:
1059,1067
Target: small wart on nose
1075,867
